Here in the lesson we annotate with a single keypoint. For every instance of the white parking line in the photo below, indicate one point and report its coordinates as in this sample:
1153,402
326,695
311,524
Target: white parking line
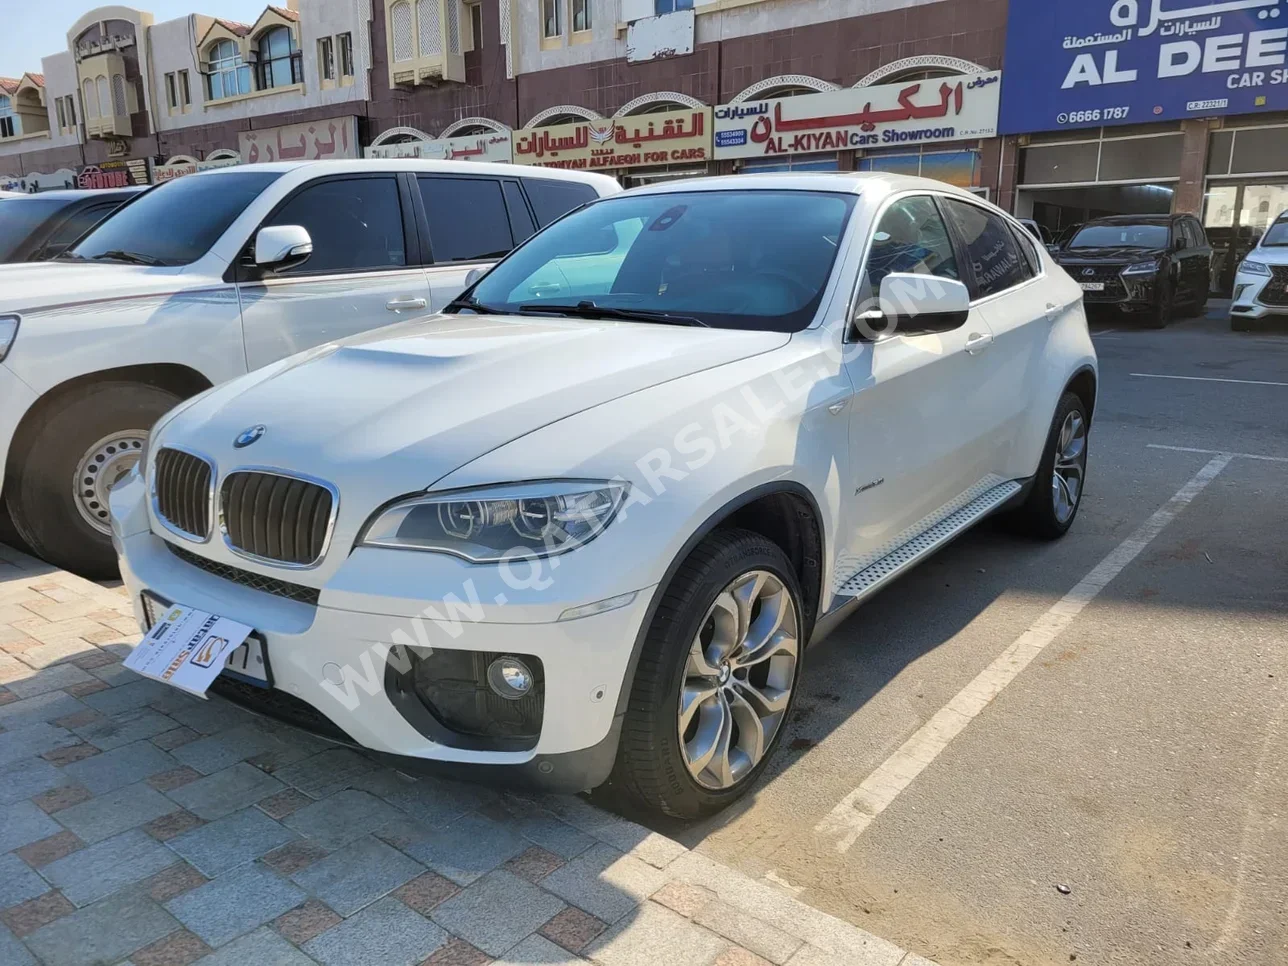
848,820
1239,382
1217,452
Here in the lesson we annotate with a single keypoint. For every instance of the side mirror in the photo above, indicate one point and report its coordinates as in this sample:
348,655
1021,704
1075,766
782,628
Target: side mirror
1179,245
282,247
916,305
473,275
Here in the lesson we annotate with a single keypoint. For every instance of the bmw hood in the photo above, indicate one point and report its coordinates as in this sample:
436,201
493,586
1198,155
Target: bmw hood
394,410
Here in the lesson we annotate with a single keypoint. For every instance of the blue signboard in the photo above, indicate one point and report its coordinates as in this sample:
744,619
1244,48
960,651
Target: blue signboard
1087,63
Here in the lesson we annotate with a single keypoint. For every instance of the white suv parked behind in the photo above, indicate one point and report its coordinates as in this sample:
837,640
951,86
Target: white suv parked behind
212,275
586,524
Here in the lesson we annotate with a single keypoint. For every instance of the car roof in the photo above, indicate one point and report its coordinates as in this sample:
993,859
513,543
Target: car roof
422,165
75,194
848,182
1133,220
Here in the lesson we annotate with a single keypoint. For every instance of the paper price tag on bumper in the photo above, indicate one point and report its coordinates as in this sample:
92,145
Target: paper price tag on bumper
187,648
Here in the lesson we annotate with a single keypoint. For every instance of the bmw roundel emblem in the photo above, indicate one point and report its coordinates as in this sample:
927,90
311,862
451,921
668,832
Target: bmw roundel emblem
248,436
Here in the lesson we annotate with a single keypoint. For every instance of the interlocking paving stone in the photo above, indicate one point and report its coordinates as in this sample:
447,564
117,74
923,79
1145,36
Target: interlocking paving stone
125,697
746,930
71,753
426,891
169,740
497,911
12,952
604,882
166,827
28,777
573,929
30,739
23,823
457,952
103,932
468,849
51,679
534,864
235,903
173,881
177,949
554,835
89,687
168,781
122,729
284,803
80,719
538,951
294,856
17,882
433,802
98,870
107,815
737,956
655,936
209,716
342,818
94,659
26,917
304,922
40,854
231,841
215,752
325,773
357,875
263,947
683,897
120,767
226,791
386,933
114,674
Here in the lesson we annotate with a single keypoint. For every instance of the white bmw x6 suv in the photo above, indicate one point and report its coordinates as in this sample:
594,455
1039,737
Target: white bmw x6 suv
586,522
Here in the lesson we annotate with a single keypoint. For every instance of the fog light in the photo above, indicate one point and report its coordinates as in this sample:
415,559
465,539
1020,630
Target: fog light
510,678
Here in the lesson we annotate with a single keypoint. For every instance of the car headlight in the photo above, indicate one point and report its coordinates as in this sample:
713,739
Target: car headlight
1248,267
505,522
1142,268
8,332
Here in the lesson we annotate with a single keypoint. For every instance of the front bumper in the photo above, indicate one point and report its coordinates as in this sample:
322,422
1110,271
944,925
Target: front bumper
331,664
1127,293
1257,297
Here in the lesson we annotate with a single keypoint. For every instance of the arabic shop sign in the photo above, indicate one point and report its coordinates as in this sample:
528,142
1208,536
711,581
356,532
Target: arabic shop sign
335,137
669,137
491,146
168,172
115,174
942,109
1106,62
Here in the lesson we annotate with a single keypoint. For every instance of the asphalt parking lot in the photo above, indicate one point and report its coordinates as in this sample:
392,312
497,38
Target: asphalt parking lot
1121,798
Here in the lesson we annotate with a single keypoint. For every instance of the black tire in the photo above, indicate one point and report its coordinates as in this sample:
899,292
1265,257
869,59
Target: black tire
1036,516
38,490
1164,306
650,767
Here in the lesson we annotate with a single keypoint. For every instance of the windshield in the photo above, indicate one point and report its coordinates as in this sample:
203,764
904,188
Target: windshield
1122,236
1276,236
19,217
730,259
177,222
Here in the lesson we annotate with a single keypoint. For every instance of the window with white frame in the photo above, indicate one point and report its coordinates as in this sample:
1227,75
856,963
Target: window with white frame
670,6
90,101
326,59
8,120
229,73
552,18
580,15
279,61
400,20
345,42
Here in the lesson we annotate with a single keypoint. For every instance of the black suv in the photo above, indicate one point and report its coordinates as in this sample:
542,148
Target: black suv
1141,263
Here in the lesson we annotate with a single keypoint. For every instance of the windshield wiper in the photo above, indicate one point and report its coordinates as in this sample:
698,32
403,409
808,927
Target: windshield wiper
69,256
587,309
470,302
134,258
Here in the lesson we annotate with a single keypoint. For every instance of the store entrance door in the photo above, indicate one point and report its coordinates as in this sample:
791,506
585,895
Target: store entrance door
1235,217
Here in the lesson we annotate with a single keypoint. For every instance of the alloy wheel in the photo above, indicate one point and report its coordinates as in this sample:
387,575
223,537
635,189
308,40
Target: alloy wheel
100,468
738,679
1070,466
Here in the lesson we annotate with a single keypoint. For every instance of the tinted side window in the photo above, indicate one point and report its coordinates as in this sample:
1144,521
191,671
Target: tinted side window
1028,250
72,228
996,262
554,199
1180,237
521,225
467,218
911,237
355,223
1197,238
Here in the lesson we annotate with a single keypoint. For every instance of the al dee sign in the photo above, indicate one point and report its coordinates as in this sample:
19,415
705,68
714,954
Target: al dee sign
1106,62
669,137
890,115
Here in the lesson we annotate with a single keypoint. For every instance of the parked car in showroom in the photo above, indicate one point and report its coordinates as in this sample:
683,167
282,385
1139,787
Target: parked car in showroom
1149,266
37,227
586,523
1261,282
214,274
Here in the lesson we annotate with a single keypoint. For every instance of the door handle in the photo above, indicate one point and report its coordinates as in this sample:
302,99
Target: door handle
397,305
978,342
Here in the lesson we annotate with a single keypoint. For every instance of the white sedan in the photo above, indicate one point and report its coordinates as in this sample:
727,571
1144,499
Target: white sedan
586,522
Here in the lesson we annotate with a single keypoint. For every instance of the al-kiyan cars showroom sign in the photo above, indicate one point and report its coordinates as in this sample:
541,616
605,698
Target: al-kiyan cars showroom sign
1102,62
941,109
668,137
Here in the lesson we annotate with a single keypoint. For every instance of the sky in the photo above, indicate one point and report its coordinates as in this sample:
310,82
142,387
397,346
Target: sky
37,28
